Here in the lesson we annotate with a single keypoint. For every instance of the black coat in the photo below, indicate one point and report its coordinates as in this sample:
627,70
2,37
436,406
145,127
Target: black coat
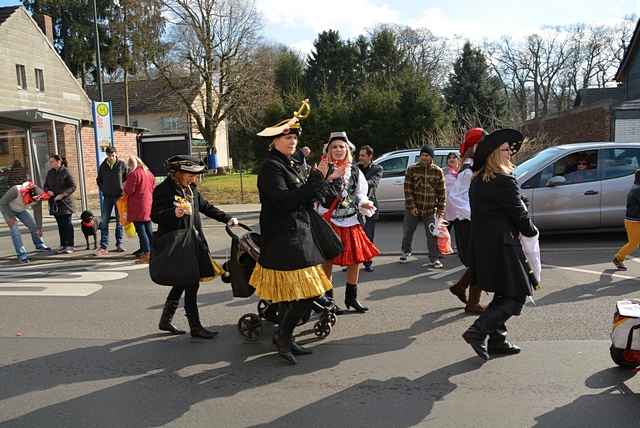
110,179
285,196
373,174
163,213
498,217
60,182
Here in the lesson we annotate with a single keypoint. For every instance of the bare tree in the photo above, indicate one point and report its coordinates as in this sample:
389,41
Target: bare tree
214,41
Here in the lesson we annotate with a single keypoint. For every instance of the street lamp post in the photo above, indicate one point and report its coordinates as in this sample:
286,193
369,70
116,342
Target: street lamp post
98,62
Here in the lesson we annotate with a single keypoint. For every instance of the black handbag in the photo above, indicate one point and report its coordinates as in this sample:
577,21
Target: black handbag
324,236
174,260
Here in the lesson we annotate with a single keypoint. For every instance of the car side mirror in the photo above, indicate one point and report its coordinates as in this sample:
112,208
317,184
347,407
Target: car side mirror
556,181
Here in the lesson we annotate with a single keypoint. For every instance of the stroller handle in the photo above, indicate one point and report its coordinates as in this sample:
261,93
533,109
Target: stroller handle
241,225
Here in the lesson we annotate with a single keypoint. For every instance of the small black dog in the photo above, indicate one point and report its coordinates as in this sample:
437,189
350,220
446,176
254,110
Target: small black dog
89,228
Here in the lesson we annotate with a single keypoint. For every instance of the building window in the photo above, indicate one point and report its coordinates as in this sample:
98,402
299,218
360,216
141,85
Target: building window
39,80
21,76
169,123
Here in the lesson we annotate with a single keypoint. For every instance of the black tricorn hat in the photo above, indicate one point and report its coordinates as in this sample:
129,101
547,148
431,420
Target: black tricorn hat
491,142
185,163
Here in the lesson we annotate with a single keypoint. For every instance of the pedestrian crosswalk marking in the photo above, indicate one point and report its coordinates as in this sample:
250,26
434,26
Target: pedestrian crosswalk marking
48,289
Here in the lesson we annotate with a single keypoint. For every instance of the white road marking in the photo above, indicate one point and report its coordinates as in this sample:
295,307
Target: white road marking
72,278
448,272
593,272
47,289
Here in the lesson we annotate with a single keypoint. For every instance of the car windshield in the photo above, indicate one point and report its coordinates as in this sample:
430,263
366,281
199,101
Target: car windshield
536,162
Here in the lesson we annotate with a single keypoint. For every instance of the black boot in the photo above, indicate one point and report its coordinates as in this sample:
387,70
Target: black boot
297,349
169,310
197,330
351,299
336,309
283,346
478,341
499,345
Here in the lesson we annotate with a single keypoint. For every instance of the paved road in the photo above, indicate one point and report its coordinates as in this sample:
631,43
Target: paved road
78,348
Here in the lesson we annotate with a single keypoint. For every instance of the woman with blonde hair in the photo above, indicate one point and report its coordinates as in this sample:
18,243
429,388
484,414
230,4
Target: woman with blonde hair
498,218
342,211
139,190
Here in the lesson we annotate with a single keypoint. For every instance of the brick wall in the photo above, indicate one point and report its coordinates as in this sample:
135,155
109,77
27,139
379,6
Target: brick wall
585,124
125,142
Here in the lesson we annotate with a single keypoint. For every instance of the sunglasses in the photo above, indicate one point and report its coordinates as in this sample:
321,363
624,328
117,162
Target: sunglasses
583,163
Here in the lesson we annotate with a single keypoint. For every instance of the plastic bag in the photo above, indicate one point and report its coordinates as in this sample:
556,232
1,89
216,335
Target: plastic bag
121,206
531,249
440,231
130,230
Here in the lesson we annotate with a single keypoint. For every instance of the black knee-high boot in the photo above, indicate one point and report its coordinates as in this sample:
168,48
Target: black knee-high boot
351,299
283,337
168,312
487,323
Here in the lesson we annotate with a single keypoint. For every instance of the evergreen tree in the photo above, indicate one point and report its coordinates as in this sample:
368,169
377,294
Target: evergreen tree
289,71
332,65
473,93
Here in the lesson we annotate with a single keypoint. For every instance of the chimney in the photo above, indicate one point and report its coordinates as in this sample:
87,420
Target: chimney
46,25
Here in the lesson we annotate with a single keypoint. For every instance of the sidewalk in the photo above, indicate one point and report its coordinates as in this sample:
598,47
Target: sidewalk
49,223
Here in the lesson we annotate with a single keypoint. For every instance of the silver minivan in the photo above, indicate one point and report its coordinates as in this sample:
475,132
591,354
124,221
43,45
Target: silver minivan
390,191
579,186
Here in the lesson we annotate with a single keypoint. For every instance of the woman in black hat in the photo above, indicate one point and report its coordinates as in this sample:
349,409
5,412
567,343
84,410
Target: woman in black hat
498,217
289,270
174,201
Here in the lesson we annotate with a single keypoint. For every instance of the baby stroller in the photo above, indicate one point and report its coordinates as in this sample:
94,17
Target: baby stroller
245,252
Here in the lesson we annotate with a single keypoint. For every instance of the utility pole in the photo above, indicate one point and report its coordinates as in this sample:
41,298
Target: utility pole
98,62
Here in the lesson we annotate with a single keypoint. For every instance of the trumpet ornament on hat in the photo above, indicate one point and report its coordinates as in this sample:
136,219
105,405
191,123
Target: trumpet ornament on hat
288,126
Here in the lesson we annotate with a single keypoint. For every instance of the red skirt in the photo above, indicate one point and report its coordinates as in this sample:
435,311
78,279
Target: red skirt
357,248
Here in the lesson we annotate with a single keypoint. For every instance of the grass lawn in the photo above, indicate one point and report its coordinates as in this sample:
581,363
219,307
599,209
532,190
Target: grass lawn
225,189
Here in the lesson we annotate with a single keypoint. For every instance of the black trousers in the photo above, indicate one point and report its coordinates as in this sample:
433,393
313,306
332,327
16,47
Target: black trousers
190,297
292,313
370,230
492,321
462,232
65,230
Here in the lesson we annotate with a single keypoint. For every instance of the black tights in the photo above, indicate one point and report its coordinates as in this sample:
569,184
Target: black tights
492,321
292,313
190,296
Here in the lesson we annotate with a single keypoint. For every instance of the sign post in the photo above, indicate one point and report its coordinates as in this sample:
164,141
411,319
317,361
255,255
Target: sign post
103,131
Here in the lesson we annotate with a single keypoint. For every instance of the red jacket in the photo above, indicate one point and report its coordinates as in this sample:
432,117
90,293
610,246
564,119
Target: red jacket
139,188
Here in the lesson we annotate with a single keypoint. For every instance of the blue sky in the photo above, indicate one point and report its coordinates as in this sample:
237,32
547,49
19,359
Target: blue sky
296,23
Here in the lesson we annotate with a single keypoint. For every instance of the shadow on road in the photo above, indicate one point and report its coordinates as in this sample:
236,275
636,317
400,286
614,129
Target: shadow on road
155,379
397,402
603,287
616,407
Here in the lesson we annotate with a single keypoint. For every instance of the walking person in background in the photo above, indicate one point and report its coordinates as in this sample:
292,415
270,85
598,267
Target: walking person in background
342,212
139,190
458,214
450,176
13,206
111,176
498,218
177,204
373,174
631,224
425,200
60,185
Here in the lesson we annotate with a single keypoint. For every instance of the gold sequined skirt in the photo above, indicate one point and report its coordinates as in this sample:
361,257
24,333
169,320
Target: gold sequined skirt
286,286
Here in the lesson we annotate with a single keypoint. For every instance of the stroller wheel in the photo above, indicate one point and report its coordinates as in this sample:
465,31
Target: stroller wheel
250,326
322,329
332,319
